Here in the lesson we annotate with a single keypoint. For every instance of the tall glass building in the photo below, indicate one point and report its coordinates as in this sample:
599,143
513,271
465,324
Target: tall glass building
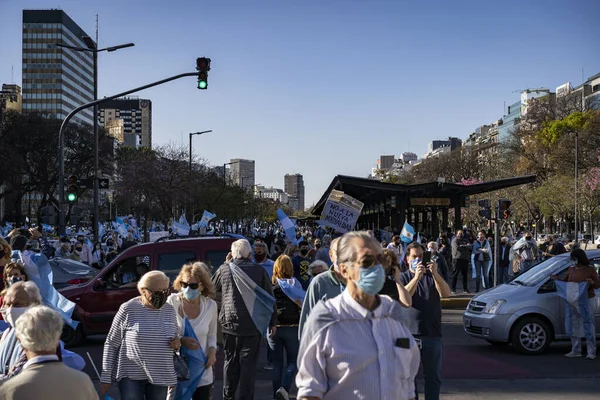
56,80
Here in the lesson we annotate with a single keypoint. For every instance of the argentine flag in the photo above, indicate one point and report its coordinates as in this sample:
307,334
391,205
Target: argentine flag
196,362
408,233
578,318
181,229
292,289
288,226
206,217
258,302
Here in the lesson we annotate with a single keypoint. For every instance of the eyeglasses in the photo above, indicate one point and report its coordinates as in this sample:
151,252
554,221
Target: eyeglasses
192,286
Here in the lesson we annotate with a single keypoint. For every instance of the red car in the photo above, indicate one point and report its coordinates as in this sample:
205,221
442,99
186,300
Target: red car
98,300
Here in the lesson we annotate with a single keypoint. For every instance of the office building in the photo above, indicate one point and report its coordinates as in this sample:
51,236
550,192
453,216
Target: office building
385,162
294,187
408,157
10,98
271,193
136,115
56,80
242,172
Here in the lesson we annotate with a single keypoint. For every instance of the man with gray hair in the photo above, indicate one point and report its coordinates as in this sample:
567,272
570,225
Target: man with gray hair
241,338
44,377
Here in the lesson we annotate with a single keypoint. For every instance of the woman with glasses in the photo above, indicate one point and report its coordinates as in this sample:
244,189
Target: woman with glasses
138,352
194,303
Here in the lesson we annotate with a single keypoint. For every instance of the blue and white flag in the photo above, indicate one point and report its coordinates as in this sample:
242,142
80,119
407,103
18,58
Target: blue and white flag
408,233
288,226
578,318
47,228
206,217
101,232
181,229
418,237
196,362
258,302
183,219
39,272
292,289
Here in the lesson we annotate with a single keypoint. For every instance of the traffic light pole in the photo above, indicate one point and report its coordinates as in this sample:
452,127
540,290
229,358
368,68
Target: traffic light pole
61,139
496,246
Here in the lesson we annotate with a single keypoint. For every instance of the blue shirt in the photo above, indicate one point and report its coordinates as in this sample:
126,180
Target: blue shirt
426,310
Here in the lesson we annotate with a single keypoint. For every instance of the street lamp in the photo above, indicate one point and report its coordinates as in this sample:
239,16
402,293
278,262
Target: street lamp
192,134
93,48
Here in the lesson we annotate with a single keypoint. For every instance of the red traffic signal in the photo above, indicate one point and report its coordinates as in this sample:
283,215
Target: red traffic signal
203,64
72,180
504,208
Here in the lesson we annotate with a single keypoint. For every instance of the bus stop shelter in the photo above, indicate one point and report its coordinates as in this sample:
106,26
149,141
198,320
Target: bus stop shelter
423,205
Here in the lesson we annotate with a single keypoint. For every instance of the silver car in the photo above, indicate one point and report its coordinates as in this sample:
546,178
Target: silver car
66,272
526,312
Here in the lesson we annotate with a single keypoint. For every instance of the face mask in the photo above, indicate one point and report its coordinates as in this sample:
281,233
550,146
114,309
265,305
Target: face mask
318,246
14,279
414,263
158,299
13,313
527,237
259,257
190,293
371,280
304,252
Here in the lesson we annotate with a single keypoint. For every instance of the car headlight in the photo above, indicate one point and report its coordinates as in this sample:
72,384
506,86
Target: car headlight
494,307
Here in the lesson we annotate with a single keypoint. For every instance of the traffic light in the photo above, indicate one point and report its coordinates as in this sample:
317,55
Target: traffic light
504,209
48,215
203,66
486,211
72,189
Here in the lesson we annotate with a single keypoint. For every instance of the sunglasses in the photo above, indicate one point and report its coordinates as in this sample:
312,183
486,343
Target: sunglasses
164,291
192,286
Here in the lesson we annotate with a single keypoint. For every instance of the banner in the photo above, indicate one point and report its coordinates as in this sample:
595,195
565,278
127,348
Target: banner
340,212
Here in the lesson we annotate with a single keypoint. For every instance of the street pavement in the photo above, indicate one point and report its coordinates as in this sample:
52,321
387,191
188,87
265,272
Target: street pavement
472,369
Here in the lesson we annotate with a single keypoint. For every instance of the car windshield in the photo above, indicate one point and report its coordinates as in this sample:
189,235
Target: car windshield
541,271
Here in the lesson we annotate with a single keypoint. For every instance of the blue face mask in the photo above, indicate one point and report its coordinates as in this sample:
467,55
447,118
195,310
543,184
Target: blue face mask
190,293
371,280
14,280
414,263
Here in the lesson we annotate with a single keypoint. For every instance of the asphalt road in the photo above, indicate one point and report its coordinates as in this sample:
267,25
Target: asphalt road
472,369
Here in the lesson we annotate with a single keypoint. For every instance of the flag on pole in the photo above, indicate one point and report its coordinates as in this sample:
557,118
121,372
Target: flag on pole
288,226
408,233
206,217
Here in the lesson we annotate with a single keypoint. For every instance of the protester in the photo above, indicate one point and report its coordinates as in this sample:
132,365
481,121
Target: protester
301,264
504,264
482,255
395,245
582,272
427,287
241,335
261,257
193,303
324,286
5,252
288,296
317,267
86,255
461,251
44,377
13,272
64,250
438,257
323,251
393,286
355,345
525,252
138,352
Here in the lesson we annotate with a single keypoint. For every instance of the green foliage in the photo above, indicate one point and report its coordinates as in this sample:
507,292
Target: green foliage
553,131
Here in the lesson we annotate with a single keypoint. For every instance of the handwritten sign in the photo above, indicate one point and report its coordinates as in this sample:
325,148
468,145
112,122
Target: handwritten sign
340,212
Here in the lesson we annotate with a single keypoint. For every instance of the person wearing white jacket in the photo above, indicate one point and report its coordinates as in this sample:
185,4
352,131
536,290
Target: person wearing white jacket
193,302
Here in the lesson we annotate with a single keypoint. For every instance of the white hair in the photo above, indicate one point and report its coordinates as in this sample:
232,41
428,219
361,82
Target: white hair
315,264
241,249
433,245
33,292
151,277
263,245
32,337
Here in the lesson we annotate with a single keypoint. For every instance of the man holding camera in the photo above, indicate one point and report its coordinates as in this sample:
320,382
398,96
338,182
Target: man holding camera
426,286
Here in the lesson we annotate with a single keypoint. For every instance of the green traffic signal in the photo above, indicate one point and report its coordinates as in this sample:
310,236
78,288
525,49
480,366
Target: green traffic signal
71,197
202,84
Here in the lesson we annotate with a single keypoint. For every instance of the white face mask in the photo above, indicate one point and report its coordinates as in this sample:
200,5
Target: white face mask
12,314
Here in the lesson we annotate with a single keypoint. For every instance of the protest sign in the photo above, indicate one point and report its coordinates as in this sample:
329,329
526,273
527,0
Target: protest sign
340,212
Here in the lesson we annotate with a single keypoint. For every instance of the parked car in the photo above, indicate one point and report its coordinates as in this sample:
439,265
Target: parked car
526,312
66,272
98,300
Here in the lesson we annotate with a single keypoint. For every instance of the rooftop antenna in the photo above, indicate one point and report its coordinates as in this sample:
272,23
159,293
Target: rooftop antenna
12,74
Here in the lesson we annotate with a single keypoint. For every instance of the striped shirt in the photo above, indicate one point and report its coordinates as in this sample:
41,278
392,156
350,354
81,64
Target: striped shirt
349,352
137,345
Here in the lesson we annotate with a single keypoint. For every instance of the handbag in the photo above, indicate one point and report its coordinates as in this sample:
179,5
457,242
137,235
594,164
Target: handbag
181,367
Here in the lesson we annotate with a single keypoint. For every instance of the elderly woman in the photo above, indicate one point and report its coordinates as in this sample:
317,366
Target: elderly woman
194,303
44,377
20,297
350,339
138,352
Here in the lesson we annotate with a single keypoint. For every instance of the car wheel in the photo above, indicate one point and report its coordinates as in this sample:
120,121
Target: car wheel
531,335
496,343
72,337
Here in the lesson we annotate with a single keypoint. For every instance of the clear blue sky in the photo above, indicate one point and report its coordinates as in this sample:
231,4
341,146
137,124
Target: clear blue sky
323,87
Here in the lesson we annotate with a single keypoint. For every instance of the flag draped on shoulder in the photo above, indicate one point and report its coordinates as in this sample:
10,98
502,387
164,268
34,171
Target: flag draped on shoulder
408,233
258,302
292,289
578,318
196,362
